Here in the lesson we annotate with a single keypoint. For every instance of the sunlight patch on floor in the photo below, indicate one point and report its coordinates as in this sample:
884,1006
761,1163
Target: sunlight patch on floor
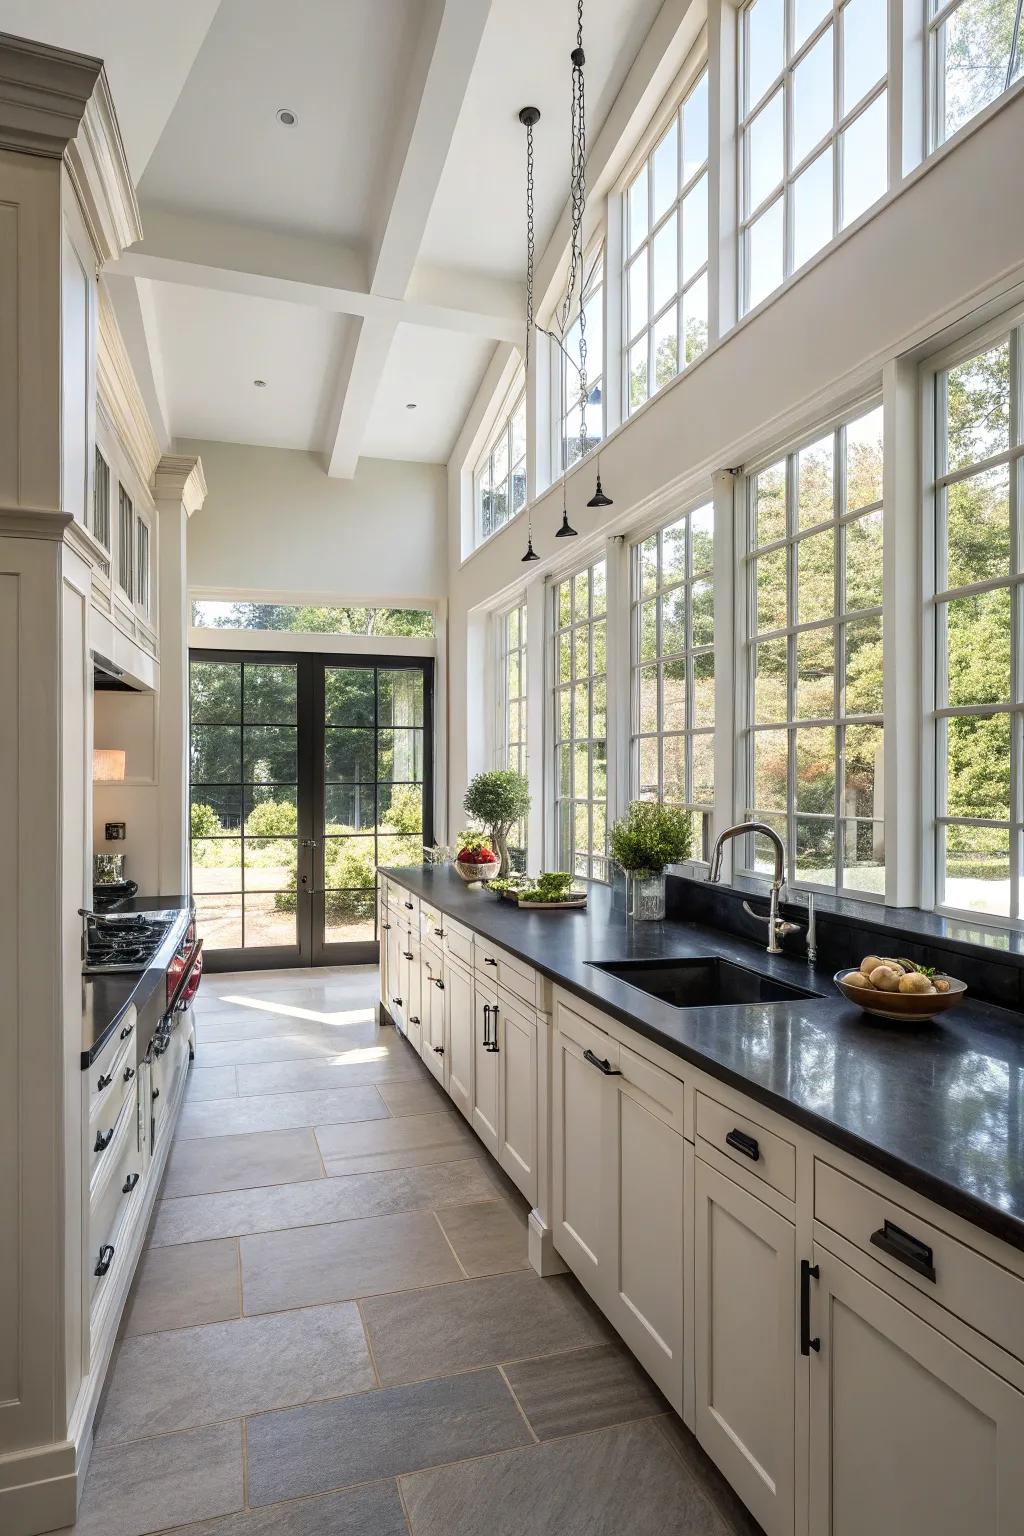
313,1015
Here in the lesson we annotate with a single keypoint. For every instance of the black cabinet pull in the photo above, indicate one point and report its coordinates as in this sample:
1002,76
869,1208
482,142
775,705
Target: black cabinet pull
397,1002
808,1272
103,1262
409,905
489,961
103,1140
129,1183
487,1026
602,1065
104,1081
438,983
907,1249
438,1050
129,1073
386,927
407,954
492,1044
156,1094
741,1142
439,932
127,1031
413,1019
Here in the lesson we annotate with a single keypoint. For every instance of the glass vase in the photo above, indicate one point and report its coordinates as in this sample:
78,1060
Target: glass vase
645,895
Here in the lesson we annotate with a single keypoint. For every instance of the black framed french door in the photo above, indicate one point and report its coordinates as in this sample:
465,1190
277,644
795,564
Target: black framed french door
306,772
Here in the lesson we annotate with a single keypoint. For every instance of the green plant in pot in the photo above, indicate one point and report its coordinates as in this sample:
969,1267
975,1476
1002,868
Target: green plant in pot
649,837
498,799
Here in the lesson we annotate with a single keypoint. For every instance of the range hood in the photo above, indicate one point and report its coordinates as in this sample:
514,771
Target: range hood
108,677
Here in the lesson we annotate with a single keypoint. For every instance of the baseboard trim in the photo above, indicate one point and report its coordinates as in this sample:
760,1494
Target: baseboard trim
40,1491
541,1248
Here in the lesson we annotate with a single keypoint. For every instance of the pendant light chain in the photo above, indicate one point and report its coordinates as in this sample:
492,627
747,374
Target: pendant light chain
580,194
529,116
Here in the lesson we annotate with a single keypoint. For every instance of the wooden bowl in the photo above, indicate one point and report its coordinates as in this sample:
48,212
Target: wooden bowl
471,873
906,1007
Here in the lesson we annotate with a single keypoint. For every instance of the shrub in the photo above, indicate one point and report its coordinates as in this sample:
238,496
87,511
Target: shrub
204,820
272,818
650,836
405,813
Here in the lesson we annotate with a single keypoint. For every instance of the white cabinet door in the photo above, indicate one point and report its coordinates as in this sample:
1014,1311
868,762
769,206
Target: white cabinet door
909,1433
432,1019
517,1081
485,1067
394,1001
745,1306
458,1005
412,998
383,928
580,1125
643,1180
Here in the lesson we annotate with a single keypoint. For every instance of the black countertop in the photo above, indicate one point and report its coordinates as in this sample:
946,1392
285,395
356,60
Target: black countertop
940,1107
106,997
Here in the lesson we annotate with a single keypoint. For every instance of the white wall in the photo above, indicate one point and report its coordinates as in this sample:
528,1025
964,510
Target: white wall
948,243
274,523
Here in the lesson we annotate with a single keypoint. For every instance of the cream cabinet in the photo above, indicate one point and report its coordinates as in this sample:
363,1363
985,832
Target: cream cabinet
393,999
745,1356
486,1066
432,1015
459,1020
909,1432
619,1161
412,990
517,1036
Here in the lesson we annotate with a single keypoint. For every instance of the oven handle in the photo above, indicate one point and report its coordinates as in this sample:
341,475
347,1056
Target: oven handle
194,959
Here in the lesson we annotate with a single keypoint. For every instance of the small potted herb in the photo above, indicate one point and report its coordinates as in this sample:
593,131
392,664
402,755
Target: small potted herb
649,837
553,889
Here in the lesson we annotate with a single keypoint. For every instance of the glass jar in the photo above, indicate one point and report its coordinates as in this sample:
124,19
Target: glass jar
645,895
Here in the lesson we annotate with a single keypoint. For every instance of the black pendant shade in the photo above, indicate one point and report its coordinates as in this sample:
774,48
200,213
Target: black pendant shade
565,532
599,499
531,553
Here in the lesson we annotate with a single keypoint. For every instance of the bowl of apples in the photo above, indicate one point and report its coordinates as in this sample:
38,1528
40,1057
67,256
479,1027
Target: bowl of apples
899,989
476,860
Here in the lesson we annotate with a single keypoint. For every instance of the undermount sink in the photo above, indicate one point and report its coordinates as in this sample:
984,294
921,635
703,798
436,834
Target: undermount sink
702,982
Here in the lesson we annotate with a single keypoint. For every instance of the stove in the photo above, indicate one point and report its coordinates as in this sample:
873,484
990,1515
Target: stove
124,941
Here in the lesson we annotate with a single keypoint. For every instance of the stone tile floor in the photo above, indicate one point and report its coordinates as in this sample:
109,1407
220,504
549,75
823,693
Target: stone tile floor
334,1330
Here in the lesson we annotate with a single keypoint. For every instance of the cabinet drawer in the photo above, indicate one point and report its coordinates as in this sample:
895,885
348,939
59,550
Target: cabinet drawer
511,974
109,1086
114,1197
973,1287
748,1144
458,942
588,1037
431,924
663,1092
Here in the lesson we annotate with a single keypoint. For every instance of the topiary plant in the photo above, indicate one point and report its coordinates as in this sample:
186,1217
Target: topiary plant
499,799
650,836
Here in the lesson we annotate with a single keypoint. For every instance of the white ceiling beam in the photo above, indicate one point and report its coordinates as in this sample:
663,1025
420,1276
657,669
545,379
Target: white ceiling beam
231,258
446,53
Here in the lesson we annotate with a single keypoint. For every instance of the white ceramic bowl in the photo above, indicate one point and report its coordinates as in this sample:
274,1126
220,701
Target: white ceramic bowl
471,873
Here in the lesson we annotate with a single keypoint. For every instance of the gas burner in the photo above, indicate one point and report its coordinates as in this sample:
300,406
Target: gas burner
124,941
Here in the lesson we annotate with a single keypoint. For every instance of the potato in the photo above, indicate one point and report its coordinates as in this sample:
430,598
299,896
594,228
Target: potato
941,983
858,979
915,982
885,978
870,963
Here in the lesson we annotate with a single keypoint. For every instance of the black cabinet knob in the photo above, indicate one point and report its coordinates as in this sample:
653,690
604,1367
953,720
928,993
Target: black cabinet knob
103,1262
156,1094
127,1031
409,905
129,1073
103,1140
104,1081
129,1183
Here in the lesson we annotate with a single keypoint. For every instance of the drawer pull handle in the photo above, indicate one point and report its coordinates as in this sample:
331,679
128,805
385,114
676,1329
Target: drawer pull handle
741,1142
127,1031
489,961
907,1249
438,983
604,1065
409,905
129,1183
438,1050
103,1140
386,927
413,1019
155,1094
104,1081
808,1272
103,1262
397,1002
129,1073
406,954
439,932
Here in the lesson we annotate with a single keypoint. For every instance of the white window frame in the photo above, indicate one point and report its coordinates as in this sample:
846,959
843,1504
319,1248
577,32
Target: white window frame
514,400
125,542
595,865
936,15
748,727
565,393
511,753
695,574
843,118
936,597
143,555
99,522
696,70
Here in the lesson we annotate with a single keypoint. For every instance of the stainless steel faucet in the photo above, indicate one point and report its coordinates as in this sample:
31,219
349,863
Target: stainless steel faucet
778,927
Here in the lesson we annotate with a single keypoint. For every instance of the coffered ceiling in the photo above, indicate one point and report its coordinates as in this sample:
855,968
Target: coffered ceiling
367,257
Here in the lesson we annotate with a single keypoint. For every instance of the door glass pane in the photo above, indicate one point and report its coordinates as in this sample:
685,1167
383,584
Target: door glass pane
216,692
348,696
349,806
349,917
349,756
270,754
216,810
270,694
219,920
400,698
269,864
400,756
270,919
216,754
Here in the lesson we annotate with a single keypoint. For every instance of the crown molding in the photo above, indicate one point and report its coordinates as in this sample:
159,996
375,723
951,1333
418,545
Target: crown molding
120,396
180,478
22,523
58,104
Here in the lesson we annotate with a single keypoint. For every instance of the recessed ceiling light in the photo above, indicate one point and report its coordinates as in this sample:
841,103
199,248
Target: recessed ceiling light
286,117
260,383
411,405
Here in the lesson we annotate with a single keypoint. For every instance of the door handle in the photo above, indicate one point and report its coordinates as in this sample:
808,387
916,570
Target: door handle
602,1065
741,1142
808,1272
308,842
906,1248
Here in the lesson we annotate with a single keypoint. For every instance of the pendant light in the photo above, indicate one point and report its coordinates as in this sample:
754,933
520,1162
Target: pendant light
565,532
529,117
599,499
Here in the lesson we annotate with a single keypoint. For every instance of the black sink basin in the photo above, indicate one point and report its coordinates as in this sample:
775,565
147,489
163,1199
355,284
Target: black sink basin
703,982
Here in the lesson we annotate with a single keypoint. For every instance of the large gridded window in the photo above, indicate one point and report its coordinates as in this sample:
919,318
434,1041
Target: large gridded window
581,722
673,634
101,501
512,730
499,485
813,130
979,610
125,542
665,297
570,432
974,54
814,621
244,802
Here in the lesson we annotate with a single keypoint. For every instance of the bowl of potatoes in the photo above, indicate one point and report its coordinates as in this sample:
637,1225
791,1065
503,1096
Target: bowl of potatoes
899,989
